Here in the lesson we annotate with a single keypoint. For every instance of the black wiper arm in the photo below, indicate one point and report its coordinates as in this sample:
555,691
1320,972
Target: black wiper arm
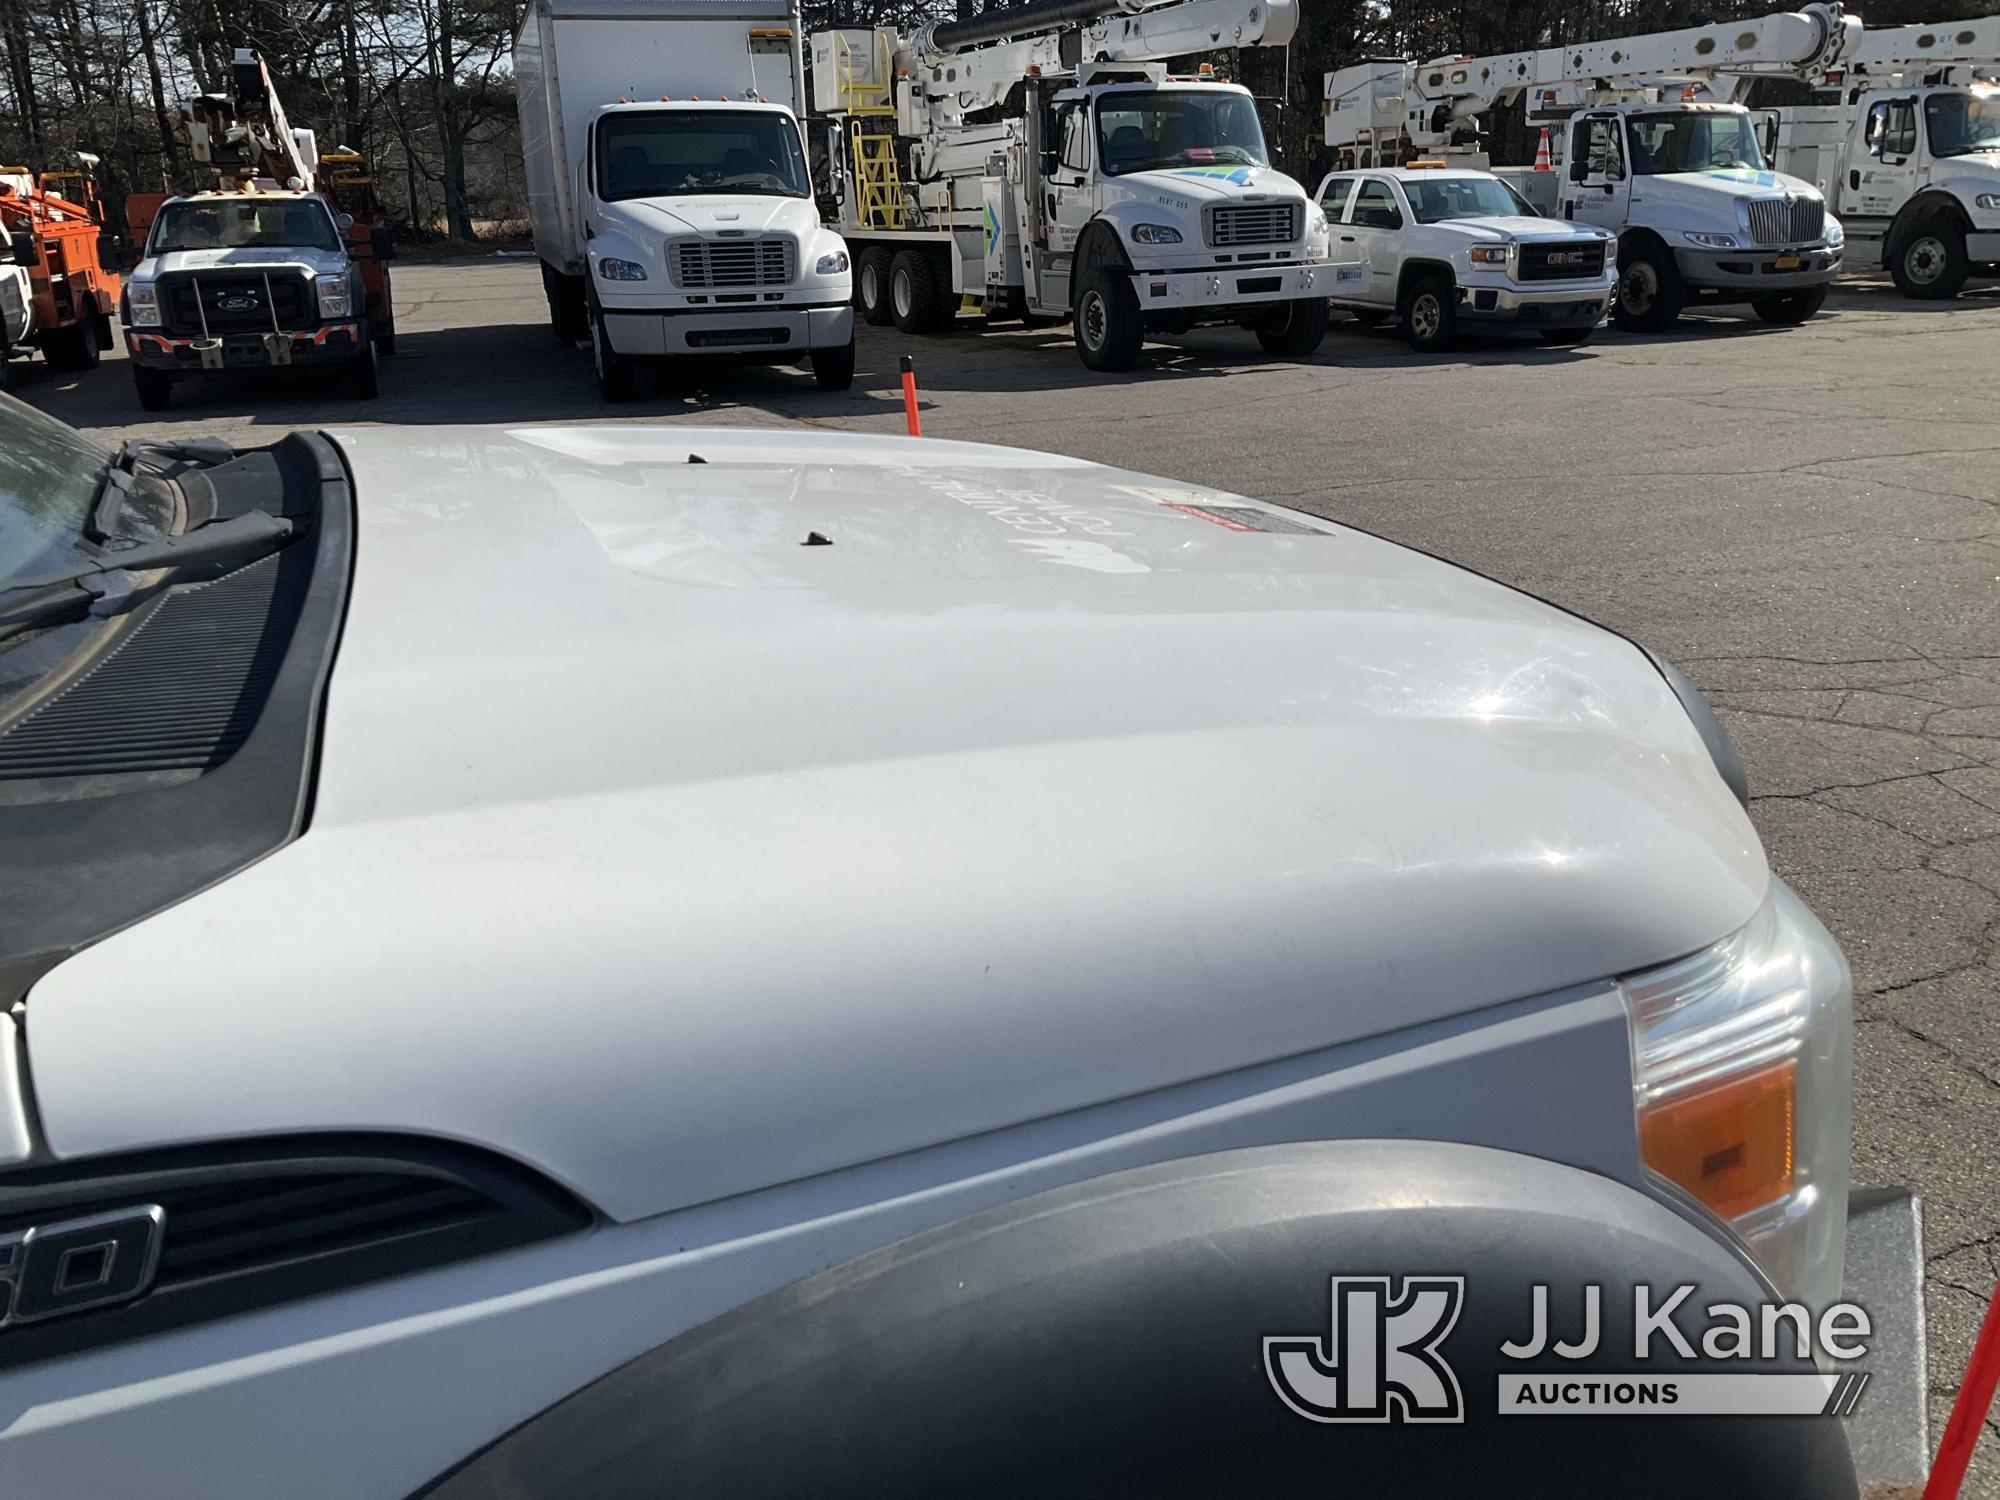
250,535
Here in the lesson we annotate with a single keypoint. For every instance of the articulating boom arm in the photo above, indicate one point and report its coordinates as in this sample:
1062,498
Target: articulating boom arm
243,134
1451,92
1908,53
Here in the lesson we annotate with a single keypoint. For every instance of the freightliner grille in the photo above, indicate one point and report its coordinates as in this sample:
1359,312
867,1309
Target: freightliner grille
1786,221
725,264
1254,224
1562,262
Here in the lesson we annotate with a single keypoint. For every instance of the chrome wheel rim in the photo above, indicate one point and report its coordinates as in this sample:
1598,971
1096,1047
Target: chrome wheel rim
871,285
1639,289
1091,320
1923,262
899,286
1426,316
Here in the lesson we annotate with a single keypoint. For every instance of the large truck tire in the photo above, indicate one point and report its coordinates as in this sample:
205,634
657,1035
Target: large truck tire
1651,293
913,291
100,327
871,285
1789,308
1110,330
1430,312
833,368
155,387
569,314
1929,260
617,374
1115,1338
1296,330
73,348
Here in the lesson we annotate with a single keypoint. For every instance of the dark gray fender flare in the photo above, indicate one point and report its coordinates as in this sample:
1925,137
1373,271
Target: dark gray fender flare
1108,1339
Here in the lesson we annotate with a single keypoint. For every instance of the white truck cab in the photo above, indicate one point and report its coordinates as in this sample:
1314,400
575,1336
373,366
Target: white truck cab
672,205
1916,174
1447,248
1699,212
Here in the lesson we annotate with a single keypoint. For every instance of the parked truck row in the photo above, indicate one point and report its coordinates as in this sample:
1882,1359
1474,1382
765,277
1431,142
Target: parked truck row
1039,163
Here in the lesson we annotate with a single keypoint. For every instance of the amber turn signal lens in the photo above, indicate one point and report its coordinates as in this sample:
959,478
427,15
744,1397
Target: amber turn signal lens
1729,1144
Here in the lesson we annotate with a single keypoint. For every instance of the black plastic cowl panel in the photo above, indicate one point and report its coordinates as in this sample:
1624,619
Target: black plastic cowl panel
182,749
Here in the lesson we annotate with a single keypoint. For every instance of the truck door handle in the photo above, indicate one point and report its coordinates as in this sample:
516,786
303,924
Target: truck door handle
1347,239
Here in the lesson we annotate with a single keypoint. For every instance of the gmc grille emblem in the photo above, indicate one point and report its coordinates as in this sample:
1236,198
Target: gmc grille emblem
1566,258
74,1265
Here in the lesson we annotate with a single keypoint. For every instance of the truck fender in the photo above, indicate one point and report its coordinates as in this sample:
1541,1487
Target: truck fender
1634,237
613,241
1099,244
1168,1330
1412,269
1932,200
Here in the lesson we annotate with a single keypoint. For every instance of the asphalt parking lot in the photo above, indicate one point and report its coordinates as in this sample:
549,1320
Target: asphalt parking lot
1806,520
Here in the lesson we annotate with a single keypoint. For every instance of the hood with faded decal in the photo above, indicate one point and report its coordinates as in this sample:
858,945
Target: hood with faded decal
700,810
1205,184
1520,227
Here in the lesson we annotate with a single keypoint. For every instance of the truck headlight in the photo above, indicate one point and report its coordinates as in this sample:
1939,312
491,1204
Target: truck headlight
142,304
831,265
1742,1076
1709,241
336,299
1988,201
1488,255
1836,233
1155,234
611,268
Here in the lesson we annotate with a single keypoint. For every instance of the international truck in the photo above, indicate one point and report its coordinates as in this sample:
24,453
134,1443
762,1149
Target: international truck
1038,161
1909,151
667,179
1650,143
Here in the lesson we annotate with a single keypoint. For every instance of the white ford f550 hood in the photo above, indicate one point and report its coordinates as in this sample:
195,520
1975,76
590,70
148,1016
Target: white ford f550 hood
686,827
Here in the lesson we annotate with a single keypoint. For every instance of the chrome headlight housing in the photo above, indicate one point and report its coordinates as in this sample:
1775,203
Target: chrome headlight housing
142,304
1488,255
1989,202
1743,1081
1155,234
611,268
1710,241
830,265
336,297
1836,233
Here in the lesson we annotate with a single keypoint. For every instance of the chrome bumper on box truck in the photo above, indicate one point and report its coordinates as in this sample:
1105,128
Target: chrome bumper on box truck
1223,286
329,344
1756,271
772,330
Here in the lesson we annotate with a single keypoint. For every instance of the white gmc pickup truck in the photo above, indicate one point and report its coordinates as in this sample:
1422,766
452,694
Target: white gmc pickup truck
1451,249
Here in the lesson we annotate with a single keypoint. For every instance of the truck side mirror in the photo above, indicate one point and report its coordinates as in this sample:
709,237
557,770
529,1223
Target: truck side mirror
1579,168
26,251
344,221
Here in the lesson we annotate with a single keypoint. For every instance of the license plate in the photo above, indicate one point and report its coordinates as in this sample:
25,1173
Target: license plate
1786,263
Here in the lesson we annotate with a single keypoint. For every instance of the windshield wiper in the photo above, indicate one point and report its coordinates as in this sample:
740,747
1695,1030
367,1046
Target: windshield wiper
76,590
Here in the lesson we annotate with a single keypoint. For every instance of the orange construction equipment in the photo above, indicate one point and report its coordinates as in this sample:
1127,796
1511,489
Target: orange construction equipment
347,184
1542,161
55,240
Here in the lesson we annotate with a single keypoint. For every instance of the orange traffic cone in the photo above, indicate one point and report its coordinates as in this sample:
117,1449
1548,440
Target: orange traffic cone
1542,162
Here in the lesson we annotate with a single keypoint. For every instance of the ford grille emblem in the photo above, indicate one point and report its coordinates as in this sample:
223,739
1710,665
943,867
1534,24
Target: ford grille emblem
237,302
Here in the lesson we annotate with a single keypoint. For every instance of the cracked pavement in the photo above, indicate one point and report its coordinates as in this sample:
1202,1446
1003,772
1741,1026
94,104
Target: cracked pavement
1806,520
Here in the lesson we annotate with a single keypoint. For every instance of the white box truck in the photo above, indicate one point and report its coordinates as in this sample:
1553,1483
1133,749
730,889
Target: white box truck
668,184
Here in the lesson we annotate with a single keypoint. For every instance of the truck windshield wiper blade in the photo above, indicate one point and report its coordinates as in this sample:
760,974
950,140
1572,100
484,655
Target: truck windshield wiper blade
251,535
53,596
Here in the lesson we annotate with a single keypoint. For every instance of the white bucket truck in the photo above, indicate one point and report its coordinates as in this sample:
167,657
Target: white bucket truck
1642,149
1037,161
667,179
1910,152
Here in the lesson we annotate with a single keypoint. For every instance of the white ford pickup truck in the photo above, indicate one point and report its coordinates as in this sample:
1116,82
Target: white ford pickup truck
563,961
1449,249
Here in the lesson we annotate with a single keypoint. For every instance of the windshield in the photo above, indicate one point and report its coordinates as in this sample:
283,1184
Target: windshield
244,223
1140,131
1694,140
1961,123
1438,198
643,155
49,480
